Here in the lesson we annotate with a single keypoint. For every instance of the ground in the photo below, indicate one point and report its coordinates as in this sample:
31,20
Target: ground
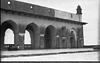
51,55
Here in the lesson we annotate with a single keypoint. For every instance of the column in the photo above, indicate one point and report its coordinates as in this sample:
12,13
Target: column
20,36
42,44
21,40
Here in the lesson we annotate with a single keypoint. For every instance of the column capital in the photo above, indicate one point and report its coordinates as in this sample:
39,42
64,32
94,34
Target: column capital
21,34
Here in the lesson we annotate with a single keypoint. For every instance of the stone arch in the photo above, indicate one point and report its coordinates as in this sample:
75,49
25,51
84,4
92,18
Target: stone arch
9,24
63,36
74,31
50,37
33,29
73,38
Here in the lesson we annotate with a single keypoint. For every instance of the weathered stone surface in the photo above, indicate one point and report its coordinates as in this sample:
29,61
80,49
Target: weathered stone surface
62,33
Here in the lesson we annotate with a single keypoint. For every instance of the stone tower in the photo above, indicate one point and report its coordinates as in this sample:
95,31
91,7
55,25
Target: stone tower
79,12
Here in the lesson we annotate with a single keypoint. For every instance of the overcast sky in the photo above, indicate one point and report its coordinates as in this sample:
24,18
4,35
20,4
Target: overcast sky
90,14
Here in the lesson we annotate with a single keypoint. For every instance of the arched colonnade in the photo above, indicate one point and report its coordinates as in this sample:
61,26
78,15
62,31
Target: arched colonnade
32,36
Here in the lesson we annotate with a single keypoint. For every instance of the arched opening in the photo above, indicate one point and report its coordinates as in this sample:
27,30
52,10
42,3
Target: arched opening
63,37
8,30
9,36
31,36
27,37
72,40
50,37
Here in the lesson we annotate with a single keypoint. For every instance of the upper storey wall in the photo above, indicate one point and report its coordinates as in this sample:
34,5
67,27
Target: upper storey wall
37,10
66,15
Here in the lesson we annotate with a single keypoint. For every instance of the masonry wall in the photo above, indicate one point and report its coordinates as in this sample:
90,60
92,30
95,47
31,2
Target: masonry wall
62,30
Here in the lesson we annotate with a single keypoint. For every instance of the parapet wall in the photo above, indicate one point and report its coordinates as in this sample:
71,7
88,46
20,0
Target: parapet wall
13,5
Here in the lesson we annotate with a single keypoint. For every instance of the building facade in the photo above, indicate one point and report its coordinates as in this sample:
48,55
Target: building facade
48,28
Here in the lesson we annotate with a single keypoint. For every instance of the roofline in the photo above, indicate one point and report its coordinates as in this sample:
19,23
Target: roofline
48,17
45,12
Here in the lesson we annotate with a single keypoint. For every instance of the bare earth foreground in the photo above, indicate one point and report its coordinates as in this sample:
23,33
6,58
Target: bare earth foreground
87,54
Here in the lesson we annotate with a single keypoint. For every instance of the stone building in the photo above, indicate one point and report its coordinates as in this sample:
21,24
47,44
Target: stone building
48,28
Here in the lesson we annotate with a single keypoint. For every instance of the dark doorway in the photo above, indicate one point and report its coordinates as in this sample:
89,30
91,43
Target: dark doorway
48,38
34,36
72,42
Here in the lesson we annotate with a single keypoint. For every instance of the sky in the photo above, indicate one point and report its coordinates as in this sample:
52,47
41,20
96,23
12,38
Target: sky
90,10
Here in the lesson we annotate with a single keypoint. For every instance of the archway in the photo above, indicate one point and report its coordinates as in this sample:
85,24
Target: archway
72,40
31,36
50,35
8,30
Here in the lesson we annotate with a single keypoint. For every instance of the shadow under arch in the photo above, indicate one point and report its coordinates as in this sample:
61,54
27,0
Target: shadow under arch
33,29
50,37
73,39
9,24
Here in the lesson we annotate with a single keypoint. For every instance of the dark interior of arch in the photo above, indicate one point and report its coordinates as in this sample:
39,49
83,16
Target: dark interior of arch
49,36
7,25
72,42
32,29
72,39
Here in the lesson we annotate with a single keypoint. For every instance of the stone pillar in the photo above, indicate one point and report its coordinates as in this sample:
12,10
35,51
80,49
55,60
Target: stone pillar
76,43
16,39
60,42
57,41
21,40
2,40
37,39
42,39
53,44
20,36
68,42
82,42
42,44
80,38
